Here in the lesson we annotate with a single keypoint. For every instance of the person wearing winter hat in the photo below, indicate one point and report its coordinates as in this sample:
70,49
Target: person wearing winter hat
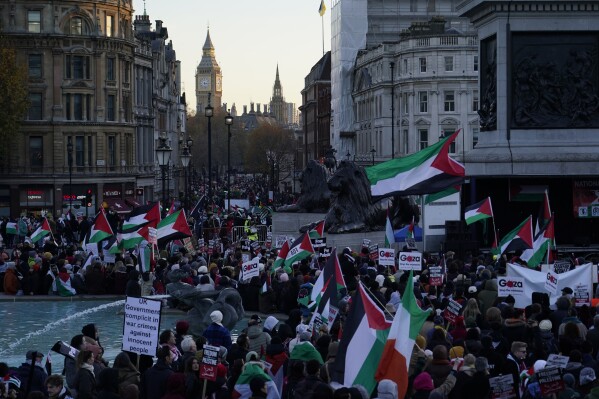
181,329
216,334
387,389
464,377
569,384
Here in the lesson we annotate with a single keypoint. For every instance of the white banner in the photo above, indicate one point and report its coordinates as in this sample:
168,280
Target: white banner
142,324
410,261
551,282
579,279
386,257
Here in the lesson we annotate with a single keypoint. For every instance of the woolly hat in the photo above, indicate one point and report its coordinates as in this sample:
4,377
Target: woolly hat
456,351
421,341
216,316
284,277
203,270
472,289
387,389
545,325
539,365
423,382
380,279
182,327
587,375
469,361
248,357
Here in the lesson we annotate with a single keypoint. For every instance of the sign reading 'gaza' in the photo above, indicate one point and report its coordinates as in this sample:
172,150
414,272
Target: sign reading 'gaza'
410,261
510,286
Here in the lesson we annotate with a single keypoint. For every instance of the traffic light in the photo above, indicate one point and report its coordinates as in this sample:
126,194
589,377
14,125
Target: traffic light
88,197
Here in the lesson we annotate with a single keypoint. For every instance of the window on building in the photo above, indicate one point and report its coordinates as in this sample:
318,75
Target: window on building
35,107
89,151
405,106
423,137
75,26
404,141
446,132
34,21
475,101
475,66
422,64
405,66
78,106
77,67
110,25
35,65
127,71
110,72
111,152
127,107
475,133
110,107
423,101
80,152
449,101
449,64
36,151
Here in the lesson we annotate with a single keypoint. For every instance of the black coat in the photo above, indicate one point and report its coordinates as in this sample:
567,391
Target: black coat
153,381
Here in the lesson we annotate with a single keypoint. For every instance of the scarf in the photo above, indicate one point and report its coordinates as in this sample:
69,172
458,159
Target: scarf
89,368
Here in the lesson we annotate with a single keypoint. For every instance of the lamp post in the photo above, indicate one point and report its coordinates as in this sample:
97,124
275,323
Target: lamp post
185,158
163,153
208,112
70,160
189,181
373,152
228,122
348,155
270,156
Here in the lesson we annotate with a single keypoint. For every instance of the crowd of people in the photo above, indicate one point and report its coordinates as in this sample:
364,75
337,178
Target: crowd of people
283,357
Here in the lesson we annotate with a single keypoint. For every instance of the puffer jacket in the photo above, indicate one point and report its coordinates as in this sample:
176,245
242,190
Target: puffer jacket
259,339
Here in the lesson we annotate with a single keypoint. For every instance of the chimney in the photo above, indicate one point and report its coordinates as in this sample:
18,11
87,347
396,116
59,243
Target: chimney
265,109
251,108
158,26
258,109
142,23
245,109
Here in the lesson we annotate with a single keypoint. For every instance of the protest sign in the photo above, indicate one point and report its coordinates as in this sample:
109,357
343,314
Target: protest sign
142,325
209,362
581,295
502,387
557,360
373,252
550,380
551,282
561,266
109,258
386,257
333,311
153,235
510,286
452,311
435,275
318,243
365,243
188,244
249,269
279,241
410,261
92,248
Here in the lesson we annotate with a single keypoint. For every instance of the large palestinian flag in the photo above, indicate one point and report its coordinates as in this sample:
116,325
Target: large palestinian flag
131,238
173,227
300,249
407,322
519,238
12,228
41,231
326,290
428,171
100,229
281,256
479,211
362,343
242,386
318,230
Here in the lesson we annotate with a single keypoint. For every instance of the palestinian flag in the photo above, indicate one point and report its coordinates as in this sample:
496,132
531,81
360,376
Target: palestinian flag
442,194
142,215
129,239
526,192
411,229
12,228
428,171
242,386
277,368
331,274
173,227
305,351
389,236
100,229
63,285
541,246
406,325
317,231
111,246
41,231
300,249
281,256
479,211
544,214
519,238
362,343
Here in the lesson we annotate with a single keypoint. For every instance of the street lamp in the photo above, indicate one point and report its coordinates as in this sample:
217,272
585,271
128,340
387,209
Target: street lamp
373,152
163,153
185,158
208,111
348,155
70,159
228,122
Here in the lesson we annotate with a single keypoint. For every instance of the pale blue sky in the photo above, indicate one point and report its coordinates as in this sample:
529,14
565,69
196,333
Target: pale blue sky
250,38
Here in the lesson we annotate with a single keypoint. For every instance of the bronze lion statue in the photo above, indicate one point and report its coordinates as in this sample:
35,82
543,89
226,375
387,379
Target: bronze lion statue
315,194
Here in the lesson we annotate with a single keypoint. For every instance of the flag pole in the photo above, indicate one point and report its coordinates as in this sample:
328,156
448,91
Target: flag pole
322,23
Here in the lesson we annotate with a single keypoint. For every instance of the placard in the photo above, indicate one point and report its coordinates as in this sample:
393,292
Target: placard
411,243
510,286
435,275
557,360
551,282
249,270
188,244
279,241
373,252
410,261
141,326
152,235
268,242
581,295
92,248
255,247
245,257
561,266
452,311
318,243
333,311
209,362
109,258
386,256
550,380
365,243
502,387
326,252
210,247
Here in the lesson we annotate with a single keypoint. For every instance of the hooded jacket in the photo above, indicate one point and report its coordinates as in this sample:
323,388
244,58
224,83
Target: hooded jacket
259,339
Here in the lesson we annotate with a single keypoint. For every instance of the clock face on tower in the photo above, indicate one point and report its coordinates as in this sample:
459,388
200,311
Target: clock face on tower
204,83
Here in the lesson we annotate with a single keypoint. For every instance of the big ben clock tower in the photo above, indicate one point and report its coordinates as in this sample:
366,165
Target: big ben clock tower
208,79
